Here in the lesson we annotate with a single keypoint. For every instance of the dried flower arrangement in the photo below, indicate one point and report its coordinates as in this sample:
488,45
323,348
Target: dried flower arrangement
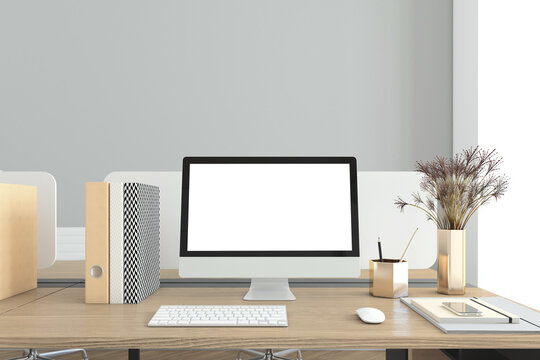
458,187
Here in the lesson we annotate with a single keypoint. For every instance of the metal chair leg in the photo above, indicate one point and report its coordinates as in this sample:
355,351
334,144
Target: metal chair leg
54,354
268,354
33,354
281,354
259,355
28,354
39,357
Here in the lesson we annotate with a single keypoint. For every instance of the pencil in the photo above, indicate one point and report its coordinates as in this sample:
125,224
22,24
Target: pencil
380,248
404,252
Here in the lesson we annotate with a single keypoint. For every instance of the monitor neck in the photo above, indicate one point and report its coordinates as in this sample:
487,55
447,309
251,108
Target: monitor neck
269,289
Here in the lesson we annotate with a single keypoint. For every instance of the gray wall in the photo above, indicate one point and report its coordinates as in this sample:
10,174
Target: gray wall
88,87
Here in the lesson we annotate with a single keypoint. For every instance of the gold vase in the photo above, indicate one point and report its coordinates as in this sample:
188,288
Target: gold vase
451,262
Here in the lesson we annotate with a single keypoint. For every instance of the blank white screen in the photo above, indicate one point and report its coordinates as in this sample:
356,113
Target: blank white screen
269,207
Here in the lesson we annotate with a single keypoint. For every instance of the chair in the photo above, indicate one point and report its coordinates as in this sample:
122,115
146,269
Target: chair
269,354
33,354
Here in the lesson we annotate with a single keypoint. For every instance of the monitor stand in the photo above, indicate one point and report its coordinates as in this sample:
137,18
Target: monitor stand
269,289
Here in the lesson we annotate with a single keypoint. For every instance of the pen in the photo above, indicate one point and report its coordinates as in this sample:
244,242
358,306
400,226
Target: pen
404,252
380,248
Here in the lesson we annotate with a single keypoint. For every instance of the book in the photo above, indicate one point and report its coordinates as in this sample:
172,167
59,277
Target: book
529,325
490,314
97,242
134,242
18,239
116,243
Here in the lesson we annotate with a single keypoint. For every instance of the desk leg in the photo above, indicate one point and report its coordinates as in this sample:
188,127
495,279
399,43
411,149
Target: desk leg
397,354
134,354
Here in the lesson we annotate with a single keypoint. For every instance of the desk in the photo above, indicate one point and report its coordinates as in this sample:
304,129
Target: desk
25,298
320,318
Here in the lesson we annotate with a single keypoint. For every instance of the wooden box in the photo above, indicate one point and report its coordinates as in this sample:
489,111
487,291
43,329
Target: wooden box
18,239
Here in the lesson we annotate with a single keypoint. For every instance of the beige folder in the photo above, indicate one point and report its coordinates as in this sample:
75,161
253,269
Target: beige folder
18,239
97,243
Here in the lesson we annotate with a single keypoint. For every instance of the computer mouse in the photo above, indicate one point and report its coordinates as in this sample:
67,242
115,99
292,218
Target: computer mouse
370,315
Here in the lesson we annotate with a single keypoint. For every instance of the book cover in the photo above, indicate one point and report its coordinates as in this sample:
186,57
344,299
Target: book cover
433,308
97,242
135,238
116,243
141,241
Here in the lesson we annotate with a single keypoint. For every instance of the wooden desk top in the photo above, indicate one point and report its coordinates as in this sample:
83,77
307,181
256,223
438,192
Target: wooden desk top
320,318
24,298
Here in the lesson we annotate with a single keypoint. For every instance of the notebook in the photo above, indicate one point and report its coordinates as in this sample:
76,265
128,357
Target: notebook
529,320
433,307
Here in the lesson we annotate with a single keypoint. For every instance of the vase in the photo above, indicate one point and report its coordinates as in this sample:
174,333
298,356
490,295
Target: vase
451,262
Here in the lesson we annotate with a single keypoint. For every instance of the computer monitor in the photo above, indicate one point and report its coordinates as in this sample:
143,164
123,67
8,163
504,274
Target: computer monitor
269,219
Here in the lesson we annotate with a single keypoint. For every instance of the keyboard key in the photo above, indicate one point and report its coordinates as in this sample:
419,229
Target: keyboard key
213,323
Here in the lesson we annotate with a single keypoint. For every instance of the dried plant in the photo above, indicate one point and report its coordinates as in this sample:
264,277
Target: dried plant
456,187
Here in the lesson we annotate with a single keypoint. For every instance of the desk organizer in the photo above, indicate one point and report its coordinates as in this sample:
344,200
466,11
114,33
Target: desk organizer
388,278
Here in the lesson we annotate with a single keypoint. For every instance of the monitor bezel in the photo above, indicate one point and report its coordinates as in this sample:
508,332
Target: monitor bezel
351,161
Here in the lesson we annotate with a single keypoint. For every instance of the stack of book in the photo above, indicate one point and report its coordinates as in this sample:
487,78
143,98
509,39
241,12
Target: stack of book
489,314
122,242
453,315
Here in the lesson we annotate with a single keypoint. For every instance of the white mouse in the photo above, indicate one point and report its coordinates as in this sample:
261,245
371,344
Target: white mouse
371,315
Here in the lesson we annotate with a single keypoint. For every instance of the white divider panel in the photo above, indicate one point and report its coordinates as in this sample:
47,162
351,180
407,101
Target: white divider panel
170,196
377,191
378,216
46,210
70,243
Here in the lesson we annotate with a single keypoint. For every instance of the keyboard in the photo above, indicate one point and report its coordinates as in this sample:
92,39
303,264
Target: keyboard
220,315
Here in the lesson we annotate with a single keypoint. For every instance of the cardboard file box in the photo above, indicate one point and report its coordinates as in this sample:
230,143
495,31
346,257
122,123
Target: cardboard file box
18,239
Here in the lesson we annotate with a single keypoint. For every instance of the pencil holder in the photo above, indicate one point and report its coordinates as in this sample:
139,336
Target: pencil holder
388,278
